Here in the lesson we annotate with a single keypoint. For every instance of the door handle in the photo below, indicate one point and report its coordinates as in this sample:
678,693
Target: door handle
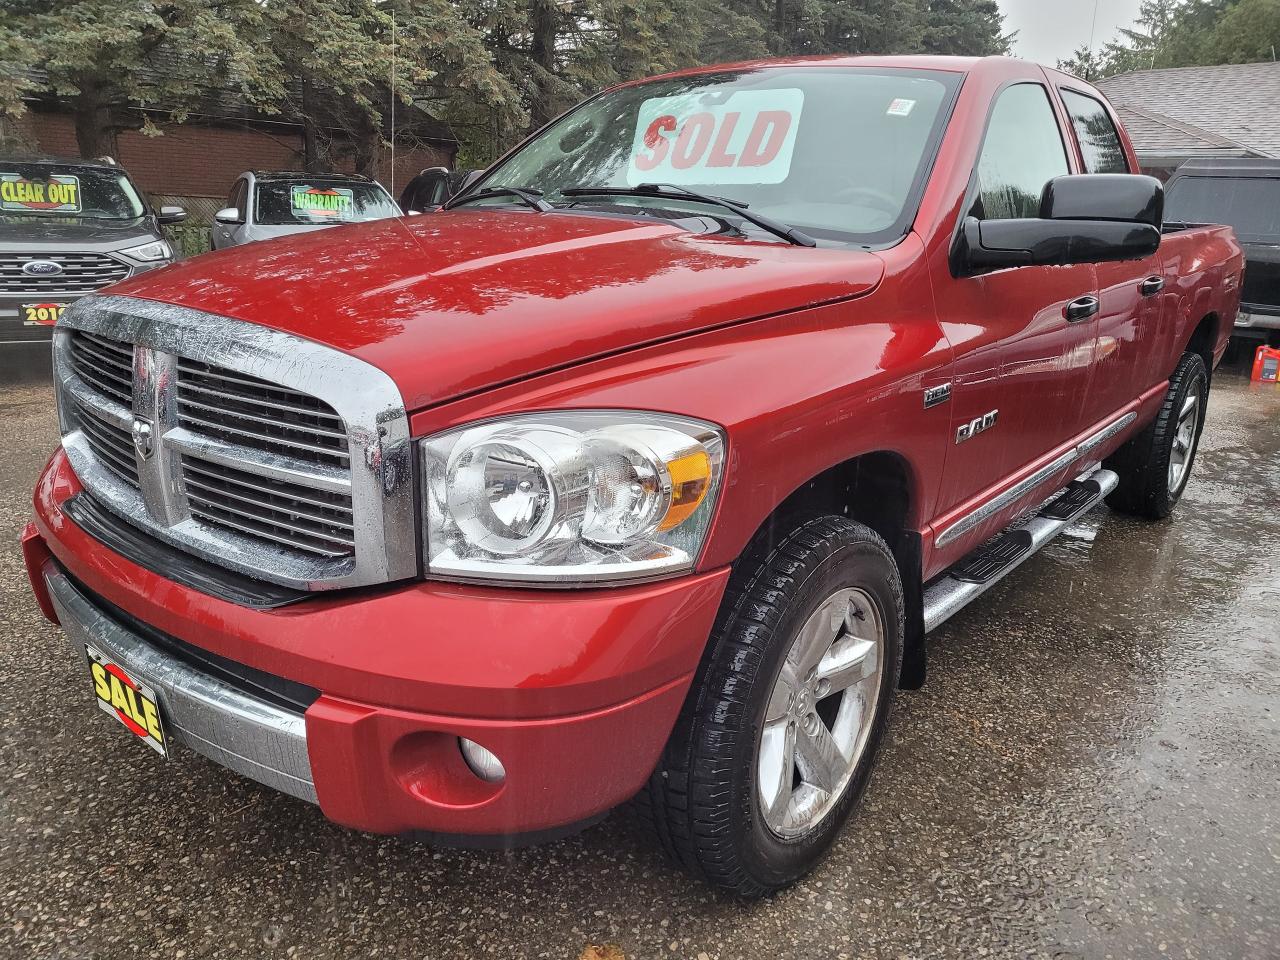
1081,308
1151,286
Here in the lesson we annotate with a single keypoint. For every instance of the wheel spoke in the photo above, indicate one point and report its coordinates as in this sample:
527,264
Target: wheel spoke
783,691
819,757
816,636
850,661
776,768
1188,405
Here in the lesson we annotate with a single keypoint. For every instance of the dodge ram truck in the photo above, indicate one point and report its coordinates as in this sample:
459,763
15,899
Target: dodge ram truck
643,468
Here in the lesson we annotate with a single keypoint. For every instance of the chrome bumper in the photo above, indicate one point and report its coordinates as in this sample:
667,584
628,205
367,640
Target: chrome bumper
211,717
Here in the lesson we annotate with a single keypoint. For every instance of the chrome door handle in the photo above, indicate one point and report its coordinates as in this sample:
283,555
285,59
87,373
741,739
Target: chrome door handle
1081,308
1151,286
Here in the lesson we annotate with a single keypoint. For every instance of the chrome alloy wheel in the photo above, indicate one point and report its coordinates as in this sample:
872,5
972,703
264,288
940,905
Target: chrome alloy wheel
1184,442
821,712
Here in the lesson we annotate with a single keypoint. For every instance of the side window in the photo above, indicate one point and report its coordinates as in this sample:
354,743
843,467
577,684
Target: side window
1099,142
1023,151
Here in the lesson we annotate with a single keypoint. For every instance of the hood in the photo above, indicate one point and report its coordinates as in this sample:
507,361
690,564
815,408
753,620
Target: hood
453,302
32,233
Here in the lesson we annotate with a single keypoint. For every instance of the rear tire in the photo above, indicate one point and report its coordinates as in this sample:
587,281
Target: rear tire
1154,466
821,608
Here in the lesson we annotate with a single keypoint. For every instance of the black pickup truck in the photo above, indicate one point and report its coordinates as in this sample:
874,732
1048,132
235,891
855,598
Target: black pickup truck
1244,193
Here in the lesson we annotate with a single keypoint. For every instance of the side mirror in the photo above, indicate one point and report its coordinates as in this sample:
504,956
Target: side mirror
1122,197
229,216
171,215
1088,218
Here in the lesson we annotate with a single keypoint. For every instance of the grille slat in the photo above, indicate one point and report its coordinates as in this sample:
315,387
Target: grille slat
261,486
106,365
110,445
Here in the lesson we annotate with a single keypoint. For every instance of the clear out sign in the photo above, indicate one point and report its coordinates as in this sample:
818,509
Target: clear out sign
692,139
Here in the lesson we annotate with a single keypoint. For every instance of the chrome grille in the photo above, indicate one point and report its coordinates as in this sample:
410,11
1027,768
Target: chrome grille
242,409
253,448
112,445
104,364
81,273
285,513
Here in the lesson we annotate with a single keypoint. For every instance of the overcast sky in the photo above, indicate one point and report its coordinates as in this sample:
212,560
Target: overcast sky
1048,30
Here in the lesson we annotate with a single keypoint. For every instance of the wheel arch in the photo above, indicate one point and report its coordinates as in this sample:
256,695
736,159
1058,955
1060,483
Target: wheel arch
1204,339
879,489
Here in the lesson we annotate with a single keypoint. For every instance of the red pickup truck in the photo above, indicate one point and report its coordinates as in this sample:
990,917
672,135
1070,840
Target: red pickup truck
641,469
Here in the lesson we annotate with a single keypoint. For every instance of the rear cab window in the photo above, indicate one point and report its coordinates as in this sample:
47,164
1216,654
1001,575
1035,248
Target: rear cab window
1095,132
1250,205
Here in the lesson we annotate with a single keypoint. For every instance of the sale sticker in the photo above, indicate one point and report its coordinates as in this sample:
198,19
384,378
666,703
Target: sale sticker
322,203
693,139
57,194
900,107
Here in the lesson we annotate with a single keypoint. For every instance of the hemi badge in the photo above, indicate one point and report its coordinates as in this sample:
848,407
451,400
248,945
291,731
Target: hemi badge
936,395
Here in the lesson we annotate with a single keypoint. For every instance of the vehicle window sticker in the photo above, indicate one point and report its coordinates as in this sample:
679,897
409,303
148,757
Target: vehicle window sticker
900,107
692,139
321,203
56,194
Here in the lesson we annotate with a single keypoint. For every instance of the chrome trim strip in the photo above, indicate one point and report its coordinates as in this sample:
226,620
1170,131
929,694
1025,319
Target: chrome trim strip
379,482
1105,434
242,733
999,502
948,596
984,512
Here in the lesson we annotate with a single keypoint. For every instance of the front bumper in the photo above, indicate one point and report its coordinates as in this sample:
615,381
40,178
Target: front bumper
575,691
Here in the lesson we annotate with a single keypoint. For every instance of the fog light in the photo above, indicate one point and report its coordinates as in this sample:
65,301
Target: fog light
482,762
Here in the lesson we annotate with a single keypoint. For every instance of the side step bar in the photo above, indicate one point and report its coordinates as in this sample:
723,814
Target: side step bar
997,558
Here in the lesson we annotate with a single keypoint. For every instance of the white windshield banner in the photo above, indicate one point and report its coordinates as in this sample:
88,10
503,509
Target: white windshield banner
685,140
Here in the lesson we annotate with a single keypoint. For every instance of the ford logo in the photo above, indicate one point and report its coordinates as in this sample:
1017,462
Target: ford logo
41,268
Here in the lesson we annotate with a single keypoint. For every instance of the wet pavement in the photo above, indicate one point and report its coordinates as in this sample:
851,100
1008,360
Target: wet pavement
1092,770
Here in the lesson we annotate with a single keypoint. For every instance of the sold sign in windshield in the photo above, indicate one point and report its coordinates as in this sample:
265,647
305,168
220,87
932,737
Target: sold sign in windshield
691,139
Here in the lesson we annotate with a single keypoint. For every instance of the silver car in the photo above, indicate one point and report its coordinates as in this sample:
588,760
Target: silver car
265,205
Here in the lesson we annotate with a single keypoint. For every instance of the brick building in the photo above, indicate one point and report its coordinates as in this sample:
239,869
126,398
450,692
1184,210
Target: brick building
197,161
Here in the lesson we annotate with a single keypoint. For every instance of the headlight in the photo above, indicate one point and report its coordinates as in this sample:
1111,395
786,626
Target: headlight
559,498
150,252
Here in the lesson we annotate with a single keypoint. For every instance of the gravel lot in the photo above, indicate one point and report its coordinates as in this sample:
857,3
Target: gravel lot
1092,770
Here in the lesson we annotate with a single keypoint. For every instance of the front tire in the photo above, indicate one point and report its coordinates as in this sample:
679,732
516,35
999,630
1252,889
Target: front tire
777,737
1154,466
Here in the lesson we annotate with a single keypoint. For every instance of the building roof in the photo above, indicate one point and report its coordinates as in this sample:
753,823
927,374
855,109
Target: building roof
1228,109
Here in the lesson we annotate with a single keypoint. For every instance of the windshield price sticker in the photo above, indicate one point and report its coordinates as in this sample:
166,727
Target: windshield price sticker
689,140
322,203
57,194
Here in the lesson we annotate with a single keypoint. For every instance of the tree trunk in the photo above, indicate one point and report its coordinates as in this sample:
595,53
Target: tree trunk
545,21
95,123
311,159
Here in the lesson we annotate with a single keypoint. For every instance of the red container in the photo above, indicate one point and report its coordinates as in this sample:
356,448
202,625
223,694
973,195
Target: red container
1266,365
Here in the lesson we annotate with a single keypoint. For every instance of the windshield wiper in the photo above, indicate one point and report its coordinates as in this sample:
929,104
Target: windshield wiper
776,227
526,195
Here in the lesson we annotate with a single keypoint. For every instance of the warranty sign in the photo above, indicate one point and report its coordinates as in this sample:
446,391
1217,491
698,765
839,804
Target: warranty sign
57,194
322,203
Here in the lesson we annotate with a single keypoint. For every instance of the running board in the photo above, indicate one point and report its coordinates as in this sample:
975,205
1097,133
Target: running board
998,557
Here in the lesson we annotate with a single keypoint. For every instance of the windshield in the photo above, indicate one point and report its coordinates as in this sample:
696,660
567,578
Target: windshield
317,200
840,153
1249,204
48,191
